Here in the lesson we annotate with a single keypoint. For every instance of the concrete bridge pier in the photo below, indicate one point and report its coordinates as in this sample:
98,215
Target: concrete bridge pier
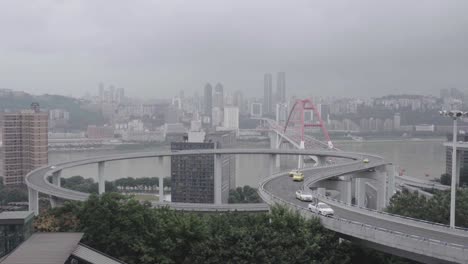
348,194
459,162
161,179
101,178
275,143
56,178
55,181
33,199
381,176
360,194
300,161
218,165
372,184
390,170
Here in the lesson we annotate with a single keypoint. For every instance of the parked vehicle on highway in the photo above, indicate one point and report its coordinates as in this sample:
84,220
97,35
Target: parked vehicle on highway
321,209
303,196
365,160
298,176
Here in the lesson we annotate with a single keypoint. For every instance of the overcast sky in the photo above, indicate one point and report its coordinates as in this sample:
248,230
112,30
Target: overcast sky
156,48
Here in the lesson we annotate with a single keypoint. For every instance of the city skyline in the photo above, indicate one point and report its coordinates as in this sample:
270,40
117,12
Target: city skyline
330,48
233,131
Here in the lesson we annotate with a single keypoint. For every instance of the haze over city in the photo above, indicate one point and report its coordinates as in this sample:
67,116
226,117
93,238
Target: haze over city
215,131
153,48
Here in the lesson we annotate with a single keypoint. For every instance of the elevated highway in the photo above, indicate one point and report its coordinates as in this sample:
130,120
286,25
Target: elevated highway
419,240
423,241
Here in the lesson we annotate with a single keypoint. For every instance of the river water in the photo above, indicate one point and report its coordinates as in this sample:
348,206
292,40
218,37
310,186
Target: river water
423,159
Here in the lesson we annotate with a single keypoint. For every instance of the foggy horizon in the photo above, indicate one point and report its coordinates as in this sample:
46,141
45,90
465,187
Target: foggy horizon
155,48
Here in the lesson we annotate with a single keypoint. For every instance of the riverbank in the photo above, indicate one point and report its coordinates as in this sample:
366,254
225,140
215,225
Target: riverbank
376,140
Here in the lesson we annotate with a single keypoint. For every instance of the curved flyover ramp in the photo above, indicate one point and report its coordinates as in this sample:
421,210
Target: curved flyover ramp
419,240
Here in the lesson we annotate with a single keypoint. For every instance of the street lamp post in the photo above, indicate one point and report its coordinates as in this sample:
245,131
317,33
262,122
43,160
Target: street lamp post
455,115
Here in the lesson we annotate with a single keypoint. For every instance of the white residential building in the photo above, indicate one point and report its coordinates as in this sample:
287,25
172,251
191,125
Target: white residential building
231,117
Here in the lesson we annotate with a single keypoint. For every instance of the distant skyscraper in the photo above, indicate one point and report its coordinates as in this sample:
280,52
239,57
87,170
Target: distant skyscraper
256,109
25,143
324,111
229,99
281,113
101,92
217,116
208,102
397,121
281,87
218,97
231,117
238,98
267,94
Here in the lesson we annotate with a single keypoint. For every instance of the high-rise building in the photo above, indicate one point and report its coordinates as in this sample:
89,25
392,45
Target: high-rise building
192,177
225,139
461,154
238,99
231,117
256,109
324,111
25,143
397,121
208,104
267,94
218,96
217,117
281,87
281,113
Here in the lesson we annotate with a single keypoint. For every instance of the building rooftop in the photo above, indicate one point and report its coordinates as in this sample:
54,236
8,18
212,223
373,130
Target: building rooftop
15,217
56,248
93,256
45,248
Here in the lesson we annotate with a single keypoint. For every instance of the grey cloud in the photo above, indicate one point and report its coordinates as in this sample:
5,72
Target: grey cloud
153,48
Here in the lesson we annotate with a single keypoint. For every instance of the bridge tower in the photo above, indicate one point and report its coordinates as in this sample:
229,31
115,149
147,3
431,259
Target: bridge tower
296,125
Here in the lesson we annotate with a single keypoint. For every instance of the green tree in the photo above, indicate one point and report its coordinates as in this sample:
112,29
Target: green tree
12,194
244,194
136,233
435,209
445,179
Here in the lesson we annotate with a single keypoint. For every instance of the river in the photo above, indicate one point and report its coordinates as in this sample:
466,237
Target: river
424,159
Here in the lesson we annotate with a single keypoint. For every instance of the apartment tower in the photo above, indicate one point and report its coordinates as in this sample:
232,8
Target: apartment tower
24,143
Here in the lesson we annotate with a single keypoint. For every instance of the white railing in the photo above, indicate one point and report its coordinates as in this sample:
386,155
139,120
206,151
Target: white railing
272,200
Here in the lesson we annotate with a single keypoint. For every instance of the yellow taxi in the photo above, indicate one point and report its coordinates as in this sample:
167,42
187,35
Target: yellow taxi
298,176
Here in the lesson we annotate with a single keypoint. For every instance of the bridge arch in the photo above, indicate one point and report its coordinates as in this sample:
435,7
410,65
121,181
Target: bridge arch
297,121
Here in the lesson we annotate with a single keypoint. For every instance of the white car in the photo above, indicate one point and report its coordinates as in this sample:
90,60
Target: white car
321,208
303,196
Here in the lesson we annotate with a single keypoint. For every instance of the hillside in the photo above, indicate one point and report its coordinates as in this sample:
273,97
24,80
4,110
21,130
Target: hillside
79,118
